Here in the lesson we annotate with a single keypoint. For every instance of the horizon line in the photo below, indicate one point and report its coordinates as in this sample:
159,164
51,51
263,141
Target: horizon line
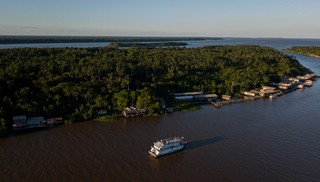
159,36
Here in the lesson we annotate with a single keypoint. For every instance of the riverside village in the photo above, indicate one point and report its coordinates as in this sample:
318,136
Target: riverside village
271,91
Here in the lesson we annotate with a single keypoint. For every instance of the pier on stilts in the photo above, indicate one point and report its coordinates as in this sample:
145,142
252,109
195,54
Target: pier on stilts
221,103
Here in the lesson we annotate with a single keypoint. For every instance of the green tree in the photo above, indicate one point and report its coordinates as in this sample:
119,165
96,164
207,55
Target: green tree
121,100
144,99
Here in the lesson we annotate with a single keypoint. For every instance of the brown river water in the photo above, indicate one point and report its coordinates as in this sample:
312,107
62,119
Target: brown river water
262,140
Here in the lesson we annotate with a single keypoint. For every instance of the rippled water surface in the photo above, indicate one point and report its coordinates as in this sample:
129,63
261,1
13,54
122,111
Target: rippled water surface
263,140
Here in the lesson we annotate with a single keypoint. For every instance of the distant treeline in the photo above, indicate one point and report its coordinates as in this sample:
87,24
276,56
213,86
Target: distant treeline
75,83
70,39
313,51
151,45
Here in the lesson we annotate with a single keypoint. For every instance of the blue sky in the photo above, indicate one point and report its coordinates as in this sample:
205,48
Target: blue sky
216,18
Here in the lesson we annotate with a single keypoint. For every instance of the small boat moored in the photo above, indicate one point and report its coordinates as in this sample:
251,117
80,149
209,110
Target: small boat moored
272,96
308,83
301,86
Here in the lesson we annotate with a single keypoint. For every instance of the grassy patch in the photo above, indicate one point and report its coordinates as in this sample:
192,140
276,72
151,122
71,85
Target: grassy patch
189,108
106,119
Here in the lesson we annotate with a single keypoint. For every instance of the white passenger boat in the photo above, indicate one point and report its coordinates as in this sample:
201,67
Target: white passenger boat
167,146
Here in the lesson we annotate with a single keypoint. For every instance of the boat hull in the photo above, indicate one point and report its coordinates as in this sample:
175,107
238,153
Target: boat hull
167,152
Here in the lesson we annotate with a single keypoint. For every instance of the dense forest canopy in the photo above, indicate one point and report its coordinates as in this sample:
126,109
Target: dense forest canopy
313,51
65,39
77,82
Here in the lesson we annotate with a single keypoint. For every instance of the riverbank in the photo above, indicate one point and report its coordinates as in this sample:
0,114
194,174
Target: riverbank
276,90
311,51
107,119
304,54
188,107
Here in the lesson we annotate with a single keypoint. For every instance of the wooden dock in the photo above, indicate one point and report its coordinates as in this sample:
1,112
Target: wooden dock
220,104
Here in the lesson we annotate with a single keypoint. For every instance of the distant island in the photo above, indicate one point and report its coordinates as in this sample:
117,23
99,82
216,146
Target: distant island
312,51
79,39
79,83
149,44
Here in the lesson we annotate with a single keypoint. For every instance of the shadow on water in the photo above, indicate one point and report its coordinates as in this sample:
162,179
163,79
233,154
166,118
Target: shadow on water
11,133
204,142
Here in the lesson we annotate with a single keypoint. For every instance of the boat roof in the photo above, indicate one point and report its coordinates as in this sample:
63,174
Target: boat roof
162,142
